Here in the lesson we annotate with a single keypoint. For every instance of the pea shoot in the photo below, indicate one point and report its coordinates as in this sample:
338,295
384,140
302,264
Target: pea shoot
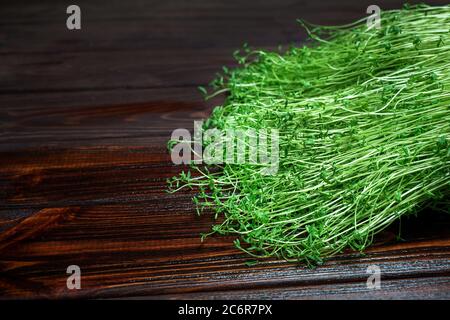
364,122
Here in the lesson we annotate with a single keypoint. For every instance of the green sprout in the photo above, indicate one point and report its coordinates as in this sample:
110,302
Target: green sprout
364,123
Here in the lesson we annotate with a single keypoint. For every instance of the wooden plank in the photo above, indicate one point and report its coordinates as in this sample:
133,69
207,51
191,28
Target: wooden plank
435,288
141,124
15,107
145,253
52,72
154,33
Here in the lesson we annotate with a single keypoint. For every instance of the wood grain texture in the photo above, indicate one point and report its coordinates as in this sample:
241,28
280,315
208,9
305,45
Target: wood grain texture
84,121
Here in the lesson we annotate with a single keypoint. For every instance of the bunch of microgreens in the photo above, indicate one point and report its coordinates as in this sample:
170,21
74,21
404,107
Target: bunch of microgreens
364,121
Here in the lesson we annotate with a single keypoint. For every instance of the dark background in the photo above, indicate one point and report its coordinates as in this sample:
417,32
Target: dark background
85,116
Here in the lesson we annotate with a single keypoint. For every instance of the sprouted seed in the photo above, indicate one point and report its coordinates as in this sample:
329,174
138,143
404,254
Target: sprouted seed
364,121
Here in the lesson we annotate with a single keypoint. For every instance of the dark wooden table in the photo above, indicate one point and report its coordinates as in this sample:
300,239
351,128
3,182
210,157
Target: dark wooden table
84,118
